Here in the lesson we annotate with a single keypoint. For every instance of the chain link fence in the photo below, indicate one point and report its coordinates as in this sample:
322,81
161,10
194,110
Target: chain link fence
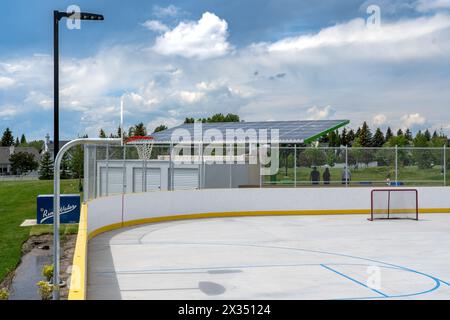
113,170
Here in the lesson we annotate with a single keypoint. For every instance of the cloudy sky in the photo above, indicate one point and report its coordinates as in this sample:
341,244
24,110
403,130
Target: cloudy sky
261,59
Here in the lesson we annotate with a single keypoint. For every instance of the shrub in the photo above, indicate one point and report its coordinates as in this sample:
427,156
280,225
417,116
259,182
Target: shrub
4,294
47,271
45,290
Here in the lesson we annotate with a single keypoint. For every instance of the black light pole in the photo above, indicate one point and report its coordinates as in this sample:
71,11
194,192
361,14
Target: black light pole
58,15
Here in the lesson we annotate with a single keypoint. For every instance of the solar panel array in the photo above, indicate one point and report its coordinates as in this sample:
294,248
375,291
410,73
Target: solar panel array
226,132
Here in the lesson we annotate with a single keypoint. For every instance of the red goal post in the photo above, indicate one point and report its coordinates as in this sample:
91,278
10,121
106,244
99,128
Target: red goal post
394,204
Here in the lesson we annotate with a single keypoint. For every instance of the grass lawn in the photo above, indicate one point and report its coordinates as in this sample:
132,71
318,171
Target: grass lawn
17,203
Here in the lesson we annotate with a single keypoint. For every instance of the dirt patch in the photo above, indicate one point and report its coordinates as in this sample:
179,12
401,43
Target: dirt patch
43,244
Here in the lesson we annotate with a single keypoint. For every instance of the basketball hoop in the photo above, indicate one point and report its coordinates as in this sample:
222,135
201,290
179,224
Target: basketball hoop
143,144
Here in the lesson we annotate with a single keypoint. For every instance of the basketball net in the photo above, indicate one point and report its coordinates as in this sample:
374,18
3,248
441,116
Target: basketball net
143,144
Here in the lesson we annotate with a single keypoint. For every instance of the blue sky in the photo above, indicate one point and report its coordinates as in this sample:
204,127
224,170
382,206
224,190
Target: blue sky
262,59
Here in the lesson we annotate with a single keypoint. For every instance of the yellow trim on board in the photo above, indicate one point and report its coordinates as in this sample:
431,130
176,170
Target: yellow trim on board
78,281
119,225
78,278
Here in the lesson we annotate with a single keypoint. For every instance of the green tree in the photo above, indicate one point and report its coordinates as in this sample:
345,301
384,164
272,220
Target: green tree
102,134
365,136
23,140
399,132
22,162
378,138
65,166
408,135
17,143
160,128
46,167
7,138
312,157
422,157
427,135
76,164
189,120
333,139
389,134
344,137
138,130
350,138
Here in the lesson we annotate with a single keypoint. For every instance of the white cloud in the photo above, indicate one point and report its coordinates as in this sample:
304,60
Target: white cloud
431,5
191,96
7,112
379,119
6,82
155,25
202,39
315,113
413,120
39,99
169,11
355,40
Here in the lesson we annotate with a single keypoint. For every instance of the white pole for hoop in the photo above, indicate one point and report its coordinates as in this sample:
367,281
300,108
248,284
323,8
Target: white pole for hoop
121,121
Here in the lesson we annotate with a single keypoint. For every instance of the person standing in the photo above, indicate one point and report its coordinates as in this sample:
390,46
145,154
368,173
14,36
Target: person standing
314,176
326,176
346,175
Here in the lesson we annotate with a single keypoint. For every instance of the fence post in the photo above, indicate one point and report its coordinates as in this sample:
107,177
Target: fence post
169,187
124,169
295,165
231,164
107,170
445,165
96,181
346,166
396,165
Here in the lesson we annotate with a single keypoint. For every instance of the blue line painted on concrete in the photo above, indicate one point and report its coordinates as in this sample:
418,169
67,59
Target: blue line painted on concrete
354,280
436,280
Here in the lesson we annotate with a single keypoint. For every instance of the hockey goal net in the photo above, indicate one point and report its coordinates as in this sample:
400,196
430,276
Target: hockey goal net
394,204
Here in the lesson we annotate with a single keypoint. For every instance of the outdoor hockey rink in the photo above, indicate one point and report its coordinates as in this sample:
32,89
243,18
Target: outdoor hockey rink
274,257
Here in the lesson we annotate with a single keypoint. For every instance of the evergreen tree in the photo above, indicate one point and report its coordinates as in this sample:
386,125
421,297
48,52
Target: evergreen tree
427,135
389,134
350,138
65,166
17,143
399,132
378,138
408,135
435,135
46,168
23,140
7,138
102,134
189,120
358,132
365,136
160,128
119,132
139,130
344,140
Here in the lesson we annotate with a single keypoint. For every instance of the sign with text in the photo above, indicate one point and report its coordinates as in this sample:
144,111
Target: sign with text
69,208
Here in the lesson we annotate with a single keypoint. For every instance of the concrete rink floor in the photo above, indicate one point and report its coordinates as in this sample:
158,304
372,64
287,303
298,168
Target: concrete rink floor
274,257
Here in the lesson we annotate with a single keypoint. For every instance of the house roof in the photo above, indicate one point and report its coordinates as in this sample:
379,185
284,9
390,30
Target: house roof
5,153
227,132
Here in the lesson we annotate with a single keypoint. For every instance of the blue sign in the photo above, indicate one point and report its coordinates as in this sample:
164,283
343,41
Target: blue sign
69,211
